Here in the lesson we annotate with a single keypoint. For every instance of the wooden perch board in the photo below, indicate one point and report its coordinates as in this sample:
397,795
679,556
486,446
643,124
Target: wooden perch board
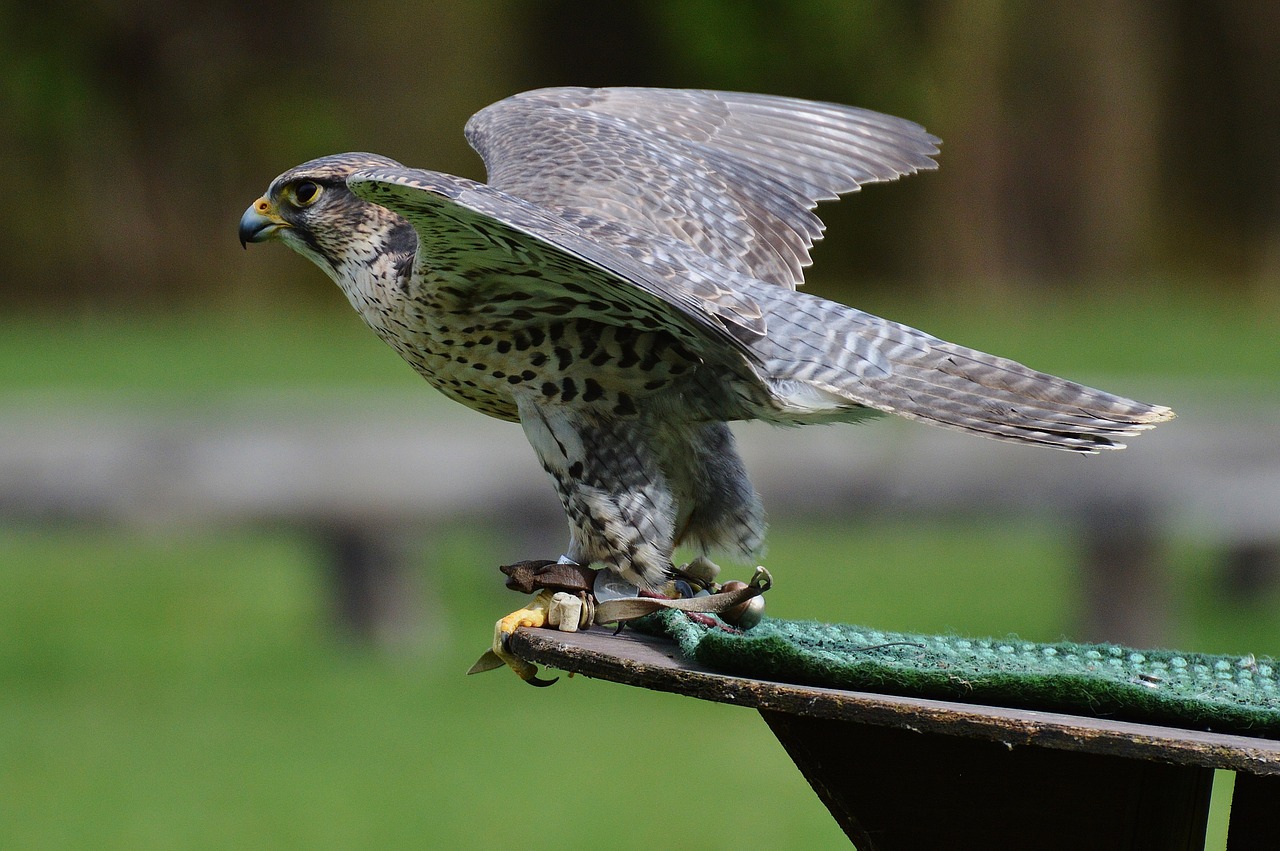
909,774
655,663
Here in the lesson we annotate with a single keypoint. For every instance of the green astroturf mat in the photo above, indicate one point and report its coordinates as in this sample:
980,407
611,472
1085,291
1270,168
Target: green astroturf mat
1226,694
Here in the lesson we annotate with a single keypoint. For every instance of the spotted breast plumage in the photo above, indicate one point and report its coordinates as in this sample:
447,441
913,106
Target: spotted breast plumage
624,287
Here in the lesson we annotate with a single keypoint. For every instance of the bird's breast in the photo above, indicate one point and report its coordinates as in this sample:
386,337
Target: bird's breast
488,361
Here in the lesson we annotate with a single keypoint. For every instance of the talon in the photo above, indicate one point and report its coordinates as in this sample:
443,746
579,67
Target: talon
541,683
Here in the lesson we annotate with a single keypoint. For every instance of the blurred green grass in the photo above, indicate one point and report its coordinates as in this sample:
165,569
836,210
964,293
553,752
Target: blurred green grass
187,692
185,689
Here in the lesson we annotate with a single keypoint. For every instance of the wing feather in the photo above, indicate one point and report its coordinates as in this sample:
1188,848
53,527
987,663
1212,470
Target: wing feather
864,360
734,175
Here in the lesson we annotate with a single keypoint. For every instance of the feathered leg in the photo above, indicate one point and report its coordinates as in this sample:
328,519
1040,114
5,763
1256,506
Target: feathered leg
615,493
720,512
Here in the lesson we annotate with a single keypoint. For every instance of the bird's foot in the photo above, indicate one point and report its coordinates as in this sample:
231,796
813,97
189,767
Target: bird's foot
698,575
698,579
695,579
570,597
534,614
563,600
737,603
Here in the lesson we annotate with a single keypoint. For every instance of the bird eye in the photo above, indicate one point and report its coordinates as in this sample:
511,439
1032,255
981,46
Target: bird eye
306,192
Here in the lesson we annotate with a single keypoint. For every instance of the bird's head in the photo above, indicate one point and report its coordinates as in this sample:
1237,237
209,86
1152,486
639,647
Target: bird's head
310,209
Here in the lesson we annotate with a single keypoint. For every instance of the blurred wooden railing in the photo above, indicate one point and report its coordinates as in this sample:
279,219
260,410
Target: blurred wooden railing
360,472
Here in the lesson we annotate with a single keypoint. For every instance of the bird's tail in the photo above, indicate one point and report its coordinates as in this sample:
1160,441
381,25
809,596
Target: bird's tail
825,362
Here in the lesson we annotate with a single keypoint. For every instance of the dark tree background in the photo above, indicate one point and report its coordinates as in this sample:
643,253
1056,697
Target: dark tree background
1087,143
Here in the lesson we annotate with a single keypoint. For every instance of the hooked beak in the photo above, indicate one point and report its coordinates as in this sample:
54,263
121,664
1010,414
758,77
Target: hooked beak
260,222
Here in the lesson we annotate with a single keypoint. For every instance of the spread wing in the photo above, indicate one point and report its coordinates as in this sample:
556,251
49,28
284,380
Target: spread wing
735,176
491,253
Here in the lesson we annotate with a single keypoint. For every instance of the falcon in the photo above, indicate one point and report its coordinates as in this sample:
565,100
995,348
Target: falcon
624,286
